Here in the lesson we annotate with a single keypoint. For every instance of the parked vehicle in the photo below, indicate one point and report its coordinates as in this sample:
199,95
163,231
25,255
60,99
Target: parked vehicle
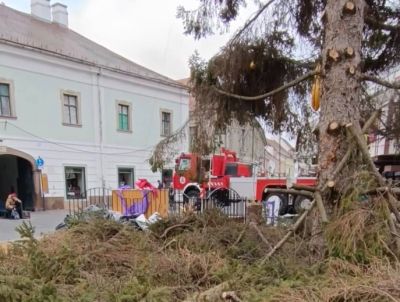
195,176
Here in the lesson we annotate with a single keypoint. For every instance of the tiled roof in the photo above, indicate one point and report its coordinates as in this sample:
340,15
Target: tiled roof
25,30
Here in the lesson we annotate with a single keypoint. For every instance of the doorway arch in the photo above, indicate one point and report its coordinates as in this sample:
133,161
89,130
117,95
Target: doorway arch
19,174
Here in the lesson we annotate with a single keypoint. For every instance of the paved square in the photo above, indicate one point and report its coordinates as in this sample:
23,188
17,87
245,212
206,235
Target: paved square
44,223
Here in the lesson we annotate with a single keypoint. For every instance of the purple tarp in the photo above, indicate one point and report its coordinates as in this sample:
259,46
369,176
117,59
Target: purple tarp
137,208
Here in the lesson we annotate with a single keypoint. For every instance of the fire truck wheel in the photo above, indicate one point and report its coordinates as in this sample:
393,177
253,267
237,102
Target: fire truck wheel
301,204
193,197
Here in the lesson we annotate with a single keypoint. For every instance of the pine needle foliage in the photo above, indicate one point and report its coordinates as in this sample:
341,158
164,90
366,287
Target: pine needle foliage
282,42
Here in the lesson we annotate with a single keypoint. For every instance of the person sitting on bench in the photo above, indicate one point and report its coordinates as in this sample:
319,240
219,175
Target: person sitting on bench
13,203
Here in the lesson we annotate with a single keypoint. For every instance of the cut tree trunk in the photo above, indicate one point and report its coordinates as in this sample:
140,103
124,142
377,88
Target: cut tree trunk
340,99
341,90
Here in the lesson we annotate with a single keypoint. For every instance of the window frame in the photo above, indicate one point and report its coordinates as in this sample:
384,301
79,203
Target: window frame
171,115
84,167
11,99
119,103
77,95
133,172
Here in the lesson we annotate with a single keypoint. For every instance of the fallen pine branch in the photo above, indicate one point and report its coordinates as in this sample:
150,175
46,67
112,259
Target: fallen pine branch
303,188
211,294
240,235
166,245
321,208
167,230
390,199
388,250
288,234
364,150
260,234
382,190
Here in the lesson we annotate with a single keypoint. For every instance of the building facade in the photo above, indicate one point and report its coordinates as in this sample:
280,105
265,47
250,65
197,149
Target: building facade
389,100
84,115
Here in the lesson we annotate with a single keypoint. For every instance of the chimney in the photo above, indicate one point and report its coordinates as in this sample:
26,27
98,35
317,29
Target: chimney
41,9
60,14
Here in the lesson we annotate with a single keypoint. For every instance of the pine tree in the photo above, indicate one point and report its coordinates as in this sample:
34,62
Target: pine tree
332,49
259,73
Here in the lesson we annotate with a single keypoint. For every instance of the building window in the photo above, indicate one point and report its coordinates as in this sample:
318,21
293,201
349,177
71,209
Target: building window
71,109
166,179
124,114
75,182
166,124
123,117
126,177
5,103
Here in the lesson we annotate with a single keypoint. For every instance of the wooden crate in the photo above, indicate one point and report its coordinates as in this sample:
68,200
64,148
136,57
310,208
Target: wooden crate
158,202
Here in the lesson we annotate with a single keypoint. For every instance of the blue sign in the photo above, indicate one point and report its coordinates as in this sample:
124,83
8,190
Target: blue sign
39,163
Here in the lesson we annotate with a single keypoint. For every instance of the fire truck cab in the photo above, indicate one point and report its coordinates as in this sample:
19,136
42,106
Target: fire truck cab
194,173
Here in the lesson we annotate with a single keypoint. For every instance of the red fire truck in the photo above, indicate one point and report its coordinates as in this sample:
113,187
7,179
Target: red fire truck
195,176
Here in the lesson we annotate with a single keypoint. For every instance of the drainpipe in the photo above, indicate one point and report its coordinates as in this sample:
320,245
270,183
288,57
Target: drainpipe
100,112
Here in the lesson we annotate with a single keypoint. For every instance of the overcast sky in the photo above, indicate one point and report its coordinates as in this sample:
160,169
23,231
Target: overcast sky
144,31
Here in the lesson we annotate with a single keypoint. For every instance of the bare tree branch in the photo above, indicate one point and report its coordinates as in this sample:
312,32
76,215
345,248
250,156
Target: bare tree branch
268,94
370,78
376,24
250,21
164,151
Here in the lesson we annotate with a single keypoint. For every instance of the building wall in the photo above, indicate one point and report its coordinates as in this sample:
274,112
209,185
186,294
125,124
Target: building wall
385,98
279,158
247,141
38,80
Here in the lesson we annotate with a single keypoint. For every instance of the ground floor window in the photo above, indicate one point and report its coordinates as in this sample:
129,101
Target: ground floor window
126,177
75,182
167,178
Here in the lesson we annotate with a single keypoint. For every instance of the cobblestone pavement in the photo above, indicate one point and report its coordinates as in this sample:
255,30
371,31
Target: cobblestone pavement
44,223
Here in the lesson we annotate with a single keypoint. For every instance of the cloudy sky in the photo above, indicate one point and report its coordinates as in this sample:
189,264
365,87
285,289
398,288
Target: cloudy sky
144,31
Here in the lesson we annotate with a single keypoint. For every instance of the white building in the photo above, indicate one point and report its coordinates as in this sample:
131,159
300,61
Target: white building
90,114
389,100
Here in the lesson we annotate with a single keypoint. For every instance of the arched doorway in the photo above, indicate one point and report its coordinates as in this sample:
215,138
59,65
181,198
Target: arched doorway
18,174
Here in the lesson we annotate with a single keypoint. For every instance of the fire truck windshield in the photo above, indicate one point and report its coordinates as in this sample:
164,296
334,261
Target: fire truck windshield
184,164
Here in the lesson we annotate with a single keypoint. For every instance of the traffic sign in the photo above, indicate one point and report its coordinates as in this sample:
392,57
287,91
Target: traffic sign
39,162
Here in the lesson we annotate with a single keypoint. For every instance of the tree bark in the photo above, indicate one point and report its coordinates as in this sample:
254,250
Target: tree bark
341,90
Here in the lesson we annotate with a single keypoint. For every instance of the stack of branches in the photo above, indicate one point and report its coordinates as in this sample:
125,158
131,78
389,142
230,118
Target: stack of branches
102,260
204,257
343,281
